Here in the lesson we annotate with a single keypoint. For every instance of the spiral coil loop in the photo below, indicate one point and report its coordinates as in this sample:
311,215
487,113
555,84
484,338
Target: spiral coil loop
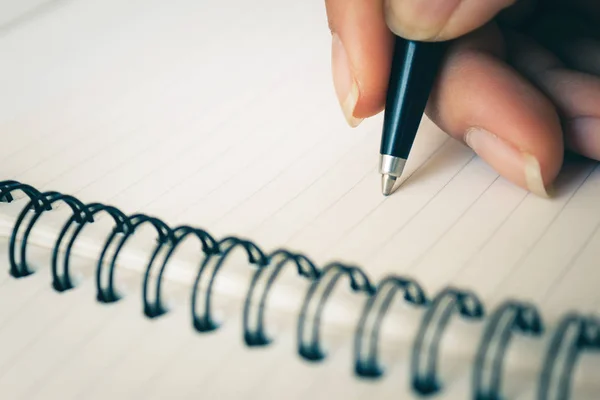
254,334
310,348
574,334
425,348
205,322
81,214
208,247
509,318
122,225
165,235
365,354
7,187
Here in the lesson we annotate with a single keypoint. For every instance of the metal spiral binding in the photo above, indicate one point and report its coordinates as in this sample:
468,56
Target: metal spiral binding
367,336
164,233
254,334
509,318
574,334
122,225
205,322
425,349
310,348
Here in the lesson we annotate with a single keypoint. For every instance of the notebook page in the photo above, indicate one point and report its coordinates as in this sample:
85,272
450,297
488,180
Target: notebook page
244,136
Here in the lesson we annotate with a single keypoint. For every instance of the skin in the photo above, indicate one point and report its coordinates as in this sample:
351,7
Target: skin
520,83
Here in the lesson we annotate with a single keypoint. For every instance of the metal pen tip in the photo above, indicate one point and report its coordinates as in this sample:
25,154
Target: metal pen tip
387,184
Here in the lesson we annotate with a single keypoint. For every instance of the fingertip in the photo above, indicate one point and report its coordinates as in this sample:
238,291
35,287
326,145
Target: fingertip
361,55
511,125
344,82
533,172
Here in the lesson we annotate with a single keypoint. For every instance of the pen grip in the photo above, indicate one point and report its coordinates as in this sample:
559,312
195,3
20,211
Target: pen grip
413,73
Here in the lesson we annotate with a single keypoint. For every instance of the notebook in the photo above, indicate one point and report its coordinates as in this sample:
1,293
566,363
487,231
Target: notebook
185,214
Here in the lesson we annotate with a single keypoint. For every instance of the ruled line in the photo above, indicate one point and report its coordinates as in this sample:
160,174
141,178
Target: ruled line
570,265
263,185
373,252
383,201
440,238
490,237
320,178
547,228
74,350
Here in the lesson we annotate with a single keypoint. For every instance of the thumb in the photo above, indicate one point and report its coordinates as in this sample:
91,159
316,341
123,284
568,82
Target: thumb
436,20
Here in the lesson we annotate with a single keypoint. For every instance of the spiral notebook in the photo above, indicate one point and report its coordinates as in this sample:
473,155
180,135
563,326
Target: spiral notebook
185,214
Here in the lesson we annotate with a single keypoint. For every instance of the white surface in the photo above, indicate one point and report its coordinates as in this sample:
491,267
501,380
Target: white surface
223,116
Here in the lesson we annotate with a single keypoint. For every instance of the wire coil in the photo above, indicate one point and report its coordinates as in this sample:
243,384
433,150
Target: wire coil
575,334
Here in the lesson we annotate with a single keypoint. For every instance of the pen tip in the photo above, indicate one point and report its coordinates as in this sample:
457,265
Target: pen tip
387,184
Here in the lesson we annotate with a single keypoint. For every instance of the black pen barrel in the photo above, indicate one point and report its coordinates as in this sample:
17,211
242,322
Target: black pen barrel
413,72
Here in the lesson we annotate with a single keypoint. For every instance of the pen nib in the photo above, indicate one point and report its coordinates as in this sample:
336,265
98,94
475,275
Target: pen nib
387,184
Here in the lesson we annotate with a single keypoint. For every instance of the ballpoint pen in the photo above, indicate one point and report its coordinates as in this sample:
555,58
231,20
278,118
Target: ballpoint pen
412,76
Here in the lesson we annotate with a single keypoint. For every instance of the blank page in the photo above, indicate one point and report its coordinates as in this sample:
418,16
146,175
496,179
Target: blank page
223,116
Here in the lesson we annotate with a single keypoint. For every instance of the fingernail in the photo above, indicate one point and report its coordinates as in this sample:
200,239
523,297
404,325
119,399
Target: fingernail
345,85
418,20
520,167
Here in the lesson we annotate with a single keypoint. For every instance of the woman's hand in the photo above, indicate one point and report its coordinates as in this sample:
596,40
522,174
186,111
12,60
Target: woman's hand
520,83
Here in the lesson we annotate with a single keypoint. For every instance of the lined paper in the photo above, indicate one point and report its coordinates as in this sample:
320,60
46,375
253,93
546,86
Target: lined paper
264,153
224,117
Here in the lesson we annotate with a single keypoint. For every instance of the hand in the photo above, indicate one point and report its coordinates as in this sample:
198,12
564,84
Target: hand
520,84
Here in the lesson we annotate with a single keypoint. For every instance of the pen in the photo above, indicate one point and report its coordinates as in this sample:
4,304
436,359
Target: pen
412,75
